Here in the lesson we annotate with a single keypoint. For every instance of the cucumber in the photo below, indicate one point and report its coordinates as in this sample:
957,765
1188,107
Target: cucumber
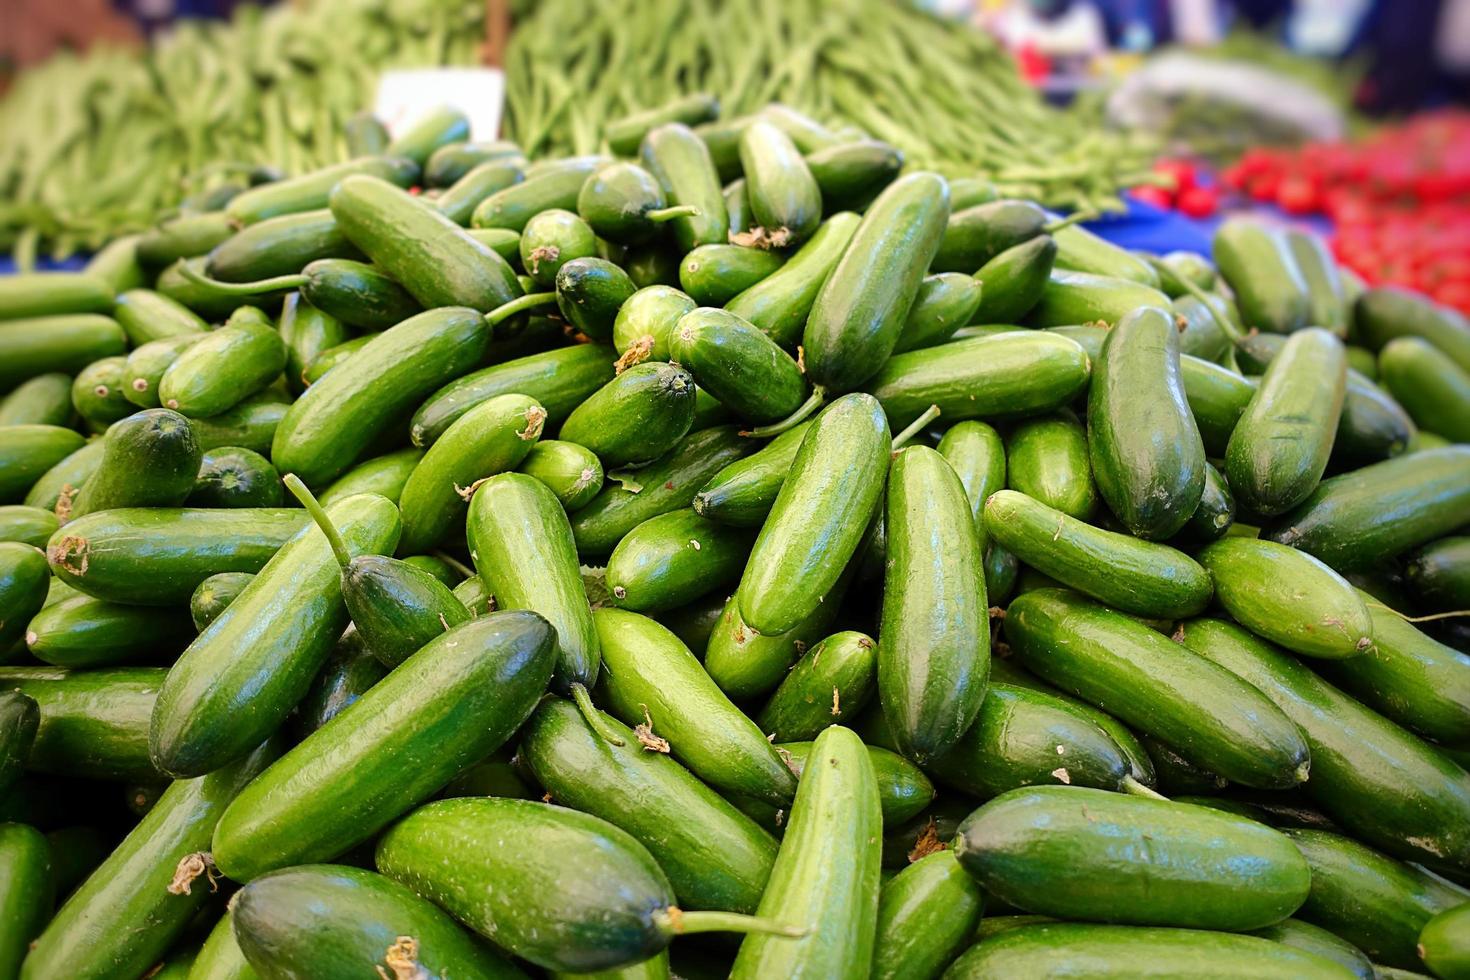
1001,571
43,400
831,683
1420,800
858,314
1258,264
1201,334
183,237
785,198
1013,280
237,682
934,642
738,364
93,723
1385,313
331,922
459,200
234,477
65,344
645,320
221,370
146,364
1326,300
1059,949
117,264
1132,576
1176,268
147,316
683,167
249,425
1017,373
84,632
550,240
333,356
746,664
214,594
636,417
1127,859
97,393
28,451
311,191
624,134
1289,597
504,242
220,957
490,438
850,175
715,274
780,303
432,130
550,184
1429,384
714,855
131,909
667,484
1081,297
1082,251
1147,454
945,302
1215,515
1047,460
742,493
453,702
903,789
819,515
1439,574
452,161
278,247
1359,518
384,475
673,559
589,293
1200,709
27,525
523,549
150,459
354,293
1314,939
977,455
926,915
974,235
349,673
623,203
27,891
825,880
20,716
649,670
328,427
53,294
412,242
572,472
1443,945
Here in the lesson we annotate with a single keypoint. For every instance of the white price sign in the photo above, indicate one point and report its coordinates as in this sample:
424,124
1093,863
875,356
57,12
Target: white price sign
404,96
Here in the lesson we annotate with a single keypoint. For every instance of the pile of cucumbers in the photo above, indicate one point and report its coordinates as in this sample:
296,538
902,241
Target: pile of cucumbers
746,555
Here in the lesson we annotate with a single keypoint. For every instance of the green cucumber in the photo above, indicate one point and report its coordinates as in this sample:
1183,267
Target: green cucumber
43,400
623,203
747,664
183,237
188,282
1289,597
221,370
1176,268
850,175
780,303
27,891
738,364
1385,313
237,682
550,240
1326,300
714,855
1013,280
493,437
926,915
504,242
976,234
459,200
354,293
146,316
651,678
858,314
1215,515
625,133
432,130
250,425
551,184
28,451
1081,297
28,525
572,472
1047,460
279,247
1429,384
681,163
975,452
742,493
1419,800
146,364
1001,572
384,475
349,673
150,459
524,552
673,559
84,632
589,293
1147,454
1200,333
945,302
311,191
1314,939
1439,574
117,264
934,643
20,716
97,393
1443,943
1259,266
220,957
785,198
825,880
645,320
53,294
636,417
93,723
1200,709
715,274
214,594
234,477
831,683
65,344
1082,251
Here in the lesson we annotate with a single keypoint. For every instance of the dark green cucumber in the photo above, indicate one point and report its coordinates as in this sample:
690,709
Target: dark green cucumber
97,393
1429,384
1200,333
188,282
250,425
975,452
146,316
652,265
624,134
336,922
551,184
280,247
714,855
667,484
780,303
504,242
680,161
27,890
819,516
146,364
550,240
572,472
825,880
65,344
934,644
93,723
636,417
977,234
1082,251
523,550
438,262
1016,373
742,493
311,191
858,314
738,364
307,331
43,400
384,475
589,293
84,632
1133,576
1047,460
183,237
493,437
459,200
1147,454
350,671
1439,574
715,274
1013,280
237,682
1001,573
234,477
158,556
1326,300
214,594
131,909
653,679
904,791
1258,264
945,302
831,683
1385,313
1419,799
747,664
221,370
850,175
1443,943
150,459
23,588
356,293
27,525
670,560
1081,297
926,915
28,451
327,359
1200,709
53,294
785,198
1216,512
1314,939
623,203
327,429
645,320
1289,597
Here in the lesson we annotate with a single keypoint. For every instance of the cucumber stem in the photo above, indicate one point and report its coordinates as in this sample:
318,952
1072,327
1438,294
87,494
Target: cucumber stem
455,564
241,288
318,514
1133,787
520,304
593,717
814,402
666,214
674,921
1193,289
912,429
1074,218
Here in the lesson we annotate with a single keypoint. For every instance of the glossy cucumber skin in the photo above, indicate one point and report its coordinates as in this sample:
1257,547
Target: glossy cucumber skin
784,195
529,561
27,525
747,664
1258,265
945,302
714,274
451,703
433,130
357,294
123,917
626,133
1202,335
1384,313
29,451
26,891
1141,678
1132,860
490,438
831,683
673,559
1215,515
1147,454
1107,952
559,379
214,594
550,240
572,472
1429,384
1288,597
647,667
551,184
1439,574
1217,398
97,393
1443,945
234,477
826,874
93,723
80,631
779,303
738,364
973,235
819,516
418,246
850,175
1083,251
149,459
311,191
1013,280
250,425
645,321
1081,297
667,484
636,417
220,957
681,163
858,314
1047,460
53,293
934,642
328,427
384,475
1314,939
587,896
145,367
589,293
459,200
239,679
154,556
715,856
350,671
65,344
616,199
43,400
742,493
1011,374
146,316
1326,300
926,914
1420,800
278,246
1379,511
397,606
976,453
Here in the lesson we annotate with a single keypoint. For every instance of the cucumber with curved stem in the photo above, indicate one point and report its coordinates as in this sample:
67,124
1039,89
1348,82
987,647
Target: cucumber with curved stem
145,316
1047,460
636,417
28,452
43,400
215,593
150,459
572,472
926,915
976,234
97,393
670,560
945,302
681,163
84,632
624,203
779,304
784,195
738,364
231,476
354,293
26,891
832,682
27,525
550,240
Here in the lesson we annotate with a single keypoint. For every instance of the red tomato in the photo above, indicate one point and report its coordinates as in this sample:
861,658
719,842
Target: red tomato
1159,197
1199,202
